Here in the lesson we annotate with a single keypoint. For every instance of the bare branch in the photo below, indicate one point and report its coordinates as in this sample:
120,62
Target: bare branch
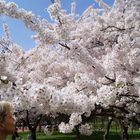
59,20
112,80
64,45
117,28
93,67
81,89
4,46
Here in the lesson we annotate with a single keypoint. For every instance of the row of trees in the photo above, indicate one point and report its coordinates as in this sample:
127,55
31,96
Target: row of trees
81,67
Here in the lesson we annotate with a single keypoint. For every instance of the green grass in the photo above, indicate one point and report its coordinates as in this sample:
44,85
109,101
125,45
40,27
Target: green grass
97,135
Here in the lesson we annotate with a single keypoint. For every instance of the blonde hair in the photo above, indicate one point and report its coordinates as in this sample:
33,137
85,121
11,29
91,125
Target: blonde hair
5,107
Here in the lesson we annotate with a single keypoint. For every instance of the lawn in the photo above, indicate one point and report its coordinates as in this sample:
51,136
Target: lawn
97,135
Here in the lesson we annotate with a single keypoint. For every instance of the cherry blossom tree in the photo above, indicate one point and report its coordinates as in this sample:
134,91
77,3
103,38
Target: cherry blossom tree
81,66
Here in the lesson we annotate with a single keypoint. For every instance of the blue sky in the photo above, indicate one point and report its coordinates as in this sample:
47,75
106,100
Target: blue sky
21,35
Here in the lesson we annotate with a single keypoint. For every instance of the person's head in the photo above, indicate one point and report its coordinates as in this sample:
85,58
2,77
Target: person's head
6,118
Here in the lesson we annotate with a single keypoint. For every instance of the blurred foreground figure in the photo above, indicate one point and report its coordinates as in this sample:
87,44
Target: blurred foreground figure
6,120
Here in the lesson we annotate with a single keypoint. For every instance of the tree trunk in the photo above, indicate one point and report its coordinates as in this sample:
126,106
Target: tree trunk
77,132
33,135
106,134
32,128
124,131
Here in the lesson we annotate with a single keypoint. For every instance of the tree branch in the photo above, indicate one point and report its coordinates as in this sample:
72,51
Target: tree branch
64,45
117,28
120,108
110,79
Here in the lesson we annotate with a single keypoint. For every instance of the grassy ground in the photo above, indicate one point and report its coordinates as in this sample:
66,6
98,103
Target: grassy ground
97,135
98,128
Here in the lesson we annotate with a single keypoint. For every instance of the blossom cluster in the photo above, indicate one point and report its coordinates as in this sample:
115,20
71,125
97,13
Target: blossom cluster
78,64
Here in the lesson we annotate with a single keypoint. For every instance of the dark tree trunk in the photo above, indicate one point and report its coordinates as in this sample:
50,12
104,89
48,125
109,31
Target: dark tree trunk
124,131
33,135
77,132
33,128
106,134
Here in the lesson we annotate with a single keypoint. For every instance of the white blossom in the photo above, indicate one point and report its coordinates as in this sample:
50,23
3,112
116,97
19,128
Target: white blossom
85,129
